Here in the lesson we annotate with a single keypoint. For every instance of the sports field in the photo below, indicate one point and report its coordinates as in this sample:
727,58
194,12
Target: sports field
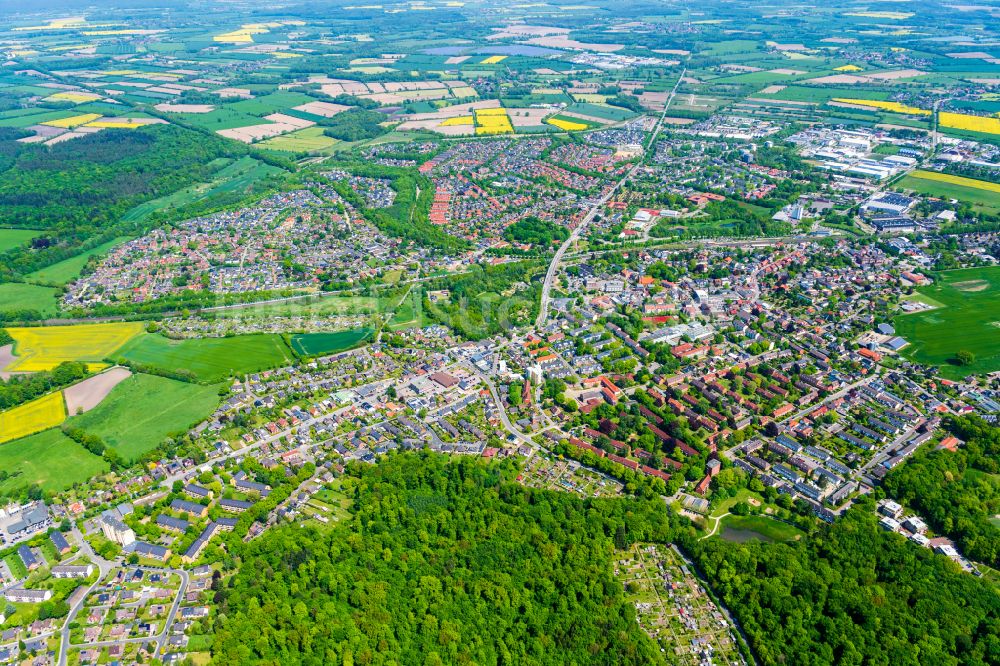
143,410
31,417
210,359
969,320
315,344
50,459
45,347
982,195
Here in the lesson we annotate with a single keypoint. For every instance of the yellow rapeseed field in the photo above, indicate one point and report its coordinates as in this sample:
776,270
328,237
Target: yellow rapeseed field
492,60
970,123
956,180
567,125
116,124
45,347
27,419
76,97
847,68
895,107
73,121
457,121
493,121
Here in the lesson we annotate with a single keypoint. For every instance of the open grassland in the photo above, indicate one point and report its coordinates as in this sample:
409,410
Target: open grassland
210,359
43,348
744,528
68,270
316,344
31,417
317,305
16,296
143,410
50,459
969,320
11,238
981,194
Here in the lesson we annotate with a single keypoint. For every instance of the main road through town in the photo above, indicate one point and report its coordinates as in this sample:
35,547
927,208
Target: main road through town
550,275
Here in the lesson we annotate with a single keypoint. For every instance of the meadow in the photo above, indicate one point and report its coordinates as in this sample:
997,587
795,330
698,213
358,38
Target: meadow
143,410
969,320
18,296
316,344
50,459
209,359
31,417
11,238
68,270
743,528
45,347
981,194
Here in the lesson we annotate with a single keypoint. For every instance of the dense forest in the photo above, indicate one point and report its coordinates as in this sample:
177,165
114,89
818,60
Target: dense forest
854,594
443,562
537,232
957,492
78,190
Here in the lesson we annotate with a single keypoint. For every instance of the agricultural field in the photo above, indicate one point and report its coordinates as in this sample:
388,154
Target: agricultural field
43,348
209,359
50,459
969,319
303,141
318,344
982,195
141,411
27,419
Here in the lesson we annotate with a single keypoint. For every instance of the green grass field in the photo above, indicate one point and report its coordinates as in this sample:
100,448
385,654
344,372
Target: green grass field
17,296
50,459
210,359
69,269
11,238
236,175
302,141
969,320
981,199
742,528
316,344
318,305
143,410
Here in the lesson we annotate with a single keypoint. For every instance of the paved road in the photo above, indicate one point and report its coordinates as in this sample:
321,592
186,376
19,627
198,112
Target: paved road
104,567
511,428
550,275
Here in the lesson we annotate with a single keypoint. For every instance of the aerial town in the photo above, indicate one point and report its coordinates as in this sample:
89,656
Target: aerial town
647,332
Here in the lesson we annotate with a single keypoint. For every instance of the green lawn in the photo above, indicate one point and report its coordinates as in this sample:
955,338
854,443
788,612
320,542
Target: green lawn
316,344
742,528
316,305
210,359
969,320
17,296
11,238
50,459
16,566
143,410
69,269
